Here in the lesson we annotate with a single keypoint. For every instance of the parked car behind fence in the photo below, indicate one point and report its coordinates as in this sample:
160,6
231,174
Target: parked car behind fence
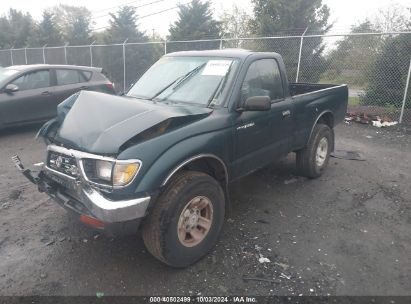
31,93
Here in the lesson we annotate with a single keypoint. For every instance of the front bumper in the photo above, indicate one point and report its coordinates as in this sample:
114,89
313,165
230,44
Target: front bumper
80,197
86,200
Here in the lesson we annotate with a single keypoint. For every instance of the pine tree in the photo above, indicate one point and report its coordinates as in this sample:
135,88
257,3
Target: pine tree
15,29
138,58
123,25
195,21
47,32
79,33
277,17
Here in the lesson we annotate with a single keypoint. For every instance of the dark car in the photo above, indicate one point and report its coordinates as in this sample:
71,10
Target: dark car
163,155
31,93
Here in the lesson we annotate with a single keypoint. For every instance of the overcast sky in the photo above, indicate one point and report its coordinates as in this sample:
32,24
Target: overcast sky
343,12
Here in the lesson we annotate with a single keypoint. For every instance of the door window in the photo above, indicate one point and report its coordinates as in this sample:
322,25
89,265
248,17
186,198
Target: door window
263,78
33,80
69,77
86,74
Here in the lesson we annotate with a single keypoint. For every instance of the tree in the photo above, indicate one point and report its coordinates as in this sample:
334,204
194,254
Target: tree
79,33
195,21
47,32
353,56
388,74
15,29
272,17
235,24
123,25
138,57
74,22
5,33
393,18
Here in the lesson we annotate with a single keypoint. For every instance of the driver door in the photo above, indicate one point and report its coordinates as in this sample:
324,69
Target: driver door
262,136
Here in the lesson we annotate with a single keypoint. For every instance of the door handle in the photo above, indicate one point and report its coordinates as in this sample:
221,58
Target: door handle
45,93
286,113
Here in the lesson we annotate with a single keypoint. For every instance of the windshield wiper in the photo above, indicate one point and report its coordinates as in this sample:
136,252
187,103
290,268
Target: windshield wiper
178,81
188,76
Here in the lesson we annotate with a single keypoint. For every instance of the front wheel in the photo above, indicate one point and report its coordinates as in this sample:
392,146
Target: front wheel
186,219
313,159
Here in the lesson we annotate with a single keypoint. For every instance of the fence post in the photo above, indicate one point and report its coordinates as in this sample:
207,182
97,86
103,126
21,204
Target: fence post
11,55
221,43
91,53
299,55
405,93
124,65
44,54
65,52
165,47
25,54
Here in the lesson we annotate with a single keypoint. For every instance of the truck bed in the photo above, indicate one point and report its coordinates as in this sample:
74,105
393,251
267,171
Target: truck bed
303,88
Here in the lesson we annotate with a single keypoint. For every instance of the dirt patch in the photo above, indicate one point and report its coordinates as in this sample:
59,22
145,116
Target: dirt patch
383,112
346,233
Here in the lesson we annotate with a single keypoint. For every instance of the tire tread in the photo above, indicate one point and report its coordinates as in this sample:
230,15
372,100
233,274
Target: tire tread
151,231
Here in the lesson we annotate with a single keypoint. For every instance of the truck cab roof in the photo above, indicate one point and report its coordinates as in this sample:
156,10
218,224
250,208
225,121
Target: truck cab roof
232,53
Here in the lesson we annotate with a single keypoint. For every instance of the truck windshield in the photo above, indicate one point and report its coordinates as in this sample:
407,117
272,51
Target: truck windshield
192,80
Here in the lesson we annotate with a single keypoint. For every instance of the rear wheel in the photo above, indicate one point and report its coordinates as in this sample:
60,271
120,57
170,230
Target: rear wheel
186,219
313,159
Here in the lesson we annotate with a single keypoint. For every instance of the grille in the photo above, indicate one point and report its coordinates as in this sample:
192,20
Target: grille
63,163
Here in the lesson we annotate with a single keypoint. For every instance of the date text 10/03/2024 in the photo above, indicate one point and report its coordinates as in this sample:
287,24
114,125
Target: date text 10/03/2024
203,299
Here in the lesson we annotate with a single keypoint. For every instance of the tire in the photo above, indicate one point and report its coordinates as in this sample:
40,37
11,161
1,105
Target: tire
307,162
161,234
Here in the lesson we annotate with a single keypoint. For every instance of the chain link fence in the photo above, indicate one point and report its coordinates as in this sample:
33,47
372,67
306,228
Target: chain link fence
376,66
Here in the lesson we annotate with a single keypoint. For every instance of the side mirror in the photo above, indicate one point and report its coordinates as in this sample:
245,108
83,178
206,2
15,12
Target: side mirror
257,103
11,88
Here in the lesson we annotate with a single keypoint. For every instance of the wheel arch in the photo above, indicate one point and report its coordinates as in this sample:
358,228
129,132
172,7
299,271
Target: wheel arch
326,117
206,163
209,164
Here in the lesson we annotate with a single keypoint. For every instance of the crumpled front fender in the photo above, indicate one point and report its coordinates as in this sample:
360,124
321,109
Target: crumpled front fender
49,129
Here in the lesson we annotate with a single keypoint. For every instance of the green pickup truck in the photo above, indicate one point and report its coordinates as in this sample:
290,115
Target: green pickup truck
161,157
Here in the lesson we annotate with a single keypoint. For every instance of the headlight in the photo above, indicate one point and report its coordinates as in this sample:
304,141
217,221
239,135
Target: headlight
124,173
110,173
104,170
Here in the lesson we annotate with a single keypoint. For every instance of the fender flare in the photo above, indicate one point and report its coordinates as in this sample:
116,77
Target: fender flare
316,121
191,159
200,156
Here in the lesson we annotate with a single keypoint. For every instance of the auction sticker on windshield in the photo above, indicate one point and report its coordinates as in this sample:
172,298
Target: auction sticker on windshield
217,67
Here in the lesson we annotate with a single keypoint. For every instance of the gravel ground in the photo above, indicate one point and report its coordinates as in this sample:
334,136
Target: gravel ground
346,233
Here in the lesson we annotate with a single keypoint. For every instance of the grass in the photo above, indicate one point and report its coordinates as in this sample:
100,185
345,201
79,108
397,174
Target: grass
352,83
354,101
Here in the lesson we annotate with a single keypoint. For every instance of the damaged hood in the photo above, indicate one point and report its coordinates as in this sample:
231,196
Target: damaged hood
102,123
